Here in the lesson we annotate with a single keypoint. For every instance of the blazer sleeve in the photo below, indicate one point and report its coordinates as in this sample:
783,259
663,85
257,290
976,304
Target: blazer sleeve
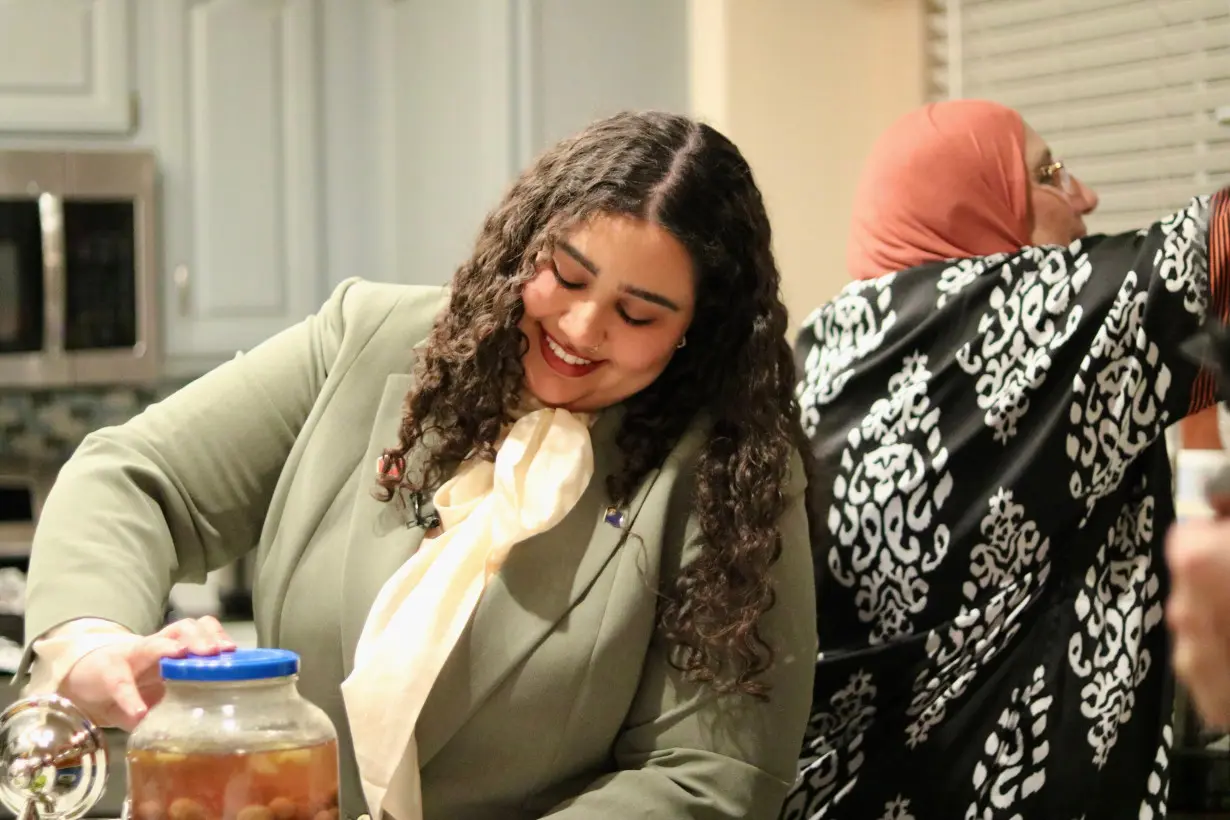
686,752
179,490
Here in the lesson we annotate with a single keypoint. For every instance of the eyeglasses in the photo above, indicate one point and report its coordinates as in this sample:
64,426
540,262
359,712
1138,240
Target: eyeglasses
1056,175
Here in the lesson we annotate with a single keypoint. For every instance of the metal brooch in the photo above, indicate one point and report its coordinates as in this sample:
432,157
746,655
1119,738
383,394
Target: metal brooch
614,517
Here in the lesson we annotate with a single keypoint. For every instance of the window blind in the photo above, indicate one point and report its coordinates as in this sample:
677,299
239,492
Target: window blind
1133,95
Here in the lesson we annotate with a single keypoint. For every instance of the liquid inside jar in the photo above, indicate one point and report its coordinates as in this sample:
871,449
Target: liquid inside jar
283,784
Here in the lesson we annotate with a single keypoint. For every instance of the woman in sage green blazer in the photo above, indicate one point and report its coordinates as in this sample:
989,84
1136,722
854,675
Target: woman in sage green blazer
651,654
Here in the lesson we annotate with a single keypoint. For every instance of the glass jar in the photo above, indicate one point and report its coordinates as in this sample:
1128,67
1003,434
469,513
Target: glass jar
232,739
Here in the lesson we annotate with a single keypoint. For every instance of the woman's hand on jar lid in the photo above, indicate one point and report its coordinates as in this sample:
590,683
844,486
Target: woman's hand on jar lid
117,684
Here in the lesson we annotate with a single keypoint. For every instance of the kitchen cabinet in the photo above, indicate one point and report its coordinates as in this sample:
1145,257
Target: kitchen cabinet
65,66
236,95
468,92
301,142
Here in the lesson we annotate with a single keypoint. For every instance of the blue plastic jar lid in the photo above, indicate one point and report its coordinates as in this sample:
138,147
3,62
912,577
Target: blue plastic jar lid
236,665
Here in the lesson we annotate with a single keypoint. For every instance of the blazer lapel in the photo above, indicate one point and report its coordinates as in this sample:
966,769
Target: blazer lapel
379,541
541,580
335,474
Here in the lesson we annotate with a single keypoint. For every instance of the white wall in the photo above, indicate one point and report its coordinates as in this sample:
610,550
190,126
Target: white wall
803,87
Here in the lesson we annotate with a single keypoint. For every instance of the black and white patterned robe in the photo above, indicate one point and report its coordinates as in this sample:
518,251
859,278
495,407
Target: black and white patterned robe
997,491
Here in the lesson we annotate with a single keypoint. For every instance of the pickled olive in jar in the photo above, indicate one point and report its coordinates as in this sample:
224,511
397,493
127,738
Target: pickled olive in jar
149,810
232,739
255,812
271,785
185,808
283,808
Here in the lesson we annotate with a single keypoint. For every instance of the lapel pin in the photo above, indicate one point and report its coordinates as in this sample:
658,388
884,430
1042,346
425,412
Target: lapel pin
614,517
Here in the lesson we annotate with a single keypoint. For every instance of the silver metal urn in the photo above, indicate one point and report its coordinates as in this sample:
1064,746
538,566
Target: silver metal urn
53,759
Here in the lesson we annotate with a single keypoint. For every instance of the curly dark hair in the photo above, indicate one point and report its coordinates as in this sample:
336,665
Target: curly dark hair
737,365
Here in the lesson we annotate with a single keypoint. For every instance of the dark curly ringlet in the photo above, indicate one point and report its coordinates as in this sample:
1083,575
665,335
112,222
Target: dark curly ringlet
736,367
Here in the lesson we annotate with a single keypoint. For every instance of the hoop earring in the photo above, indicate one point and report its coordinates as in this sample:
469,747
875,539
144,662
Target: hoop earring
683,342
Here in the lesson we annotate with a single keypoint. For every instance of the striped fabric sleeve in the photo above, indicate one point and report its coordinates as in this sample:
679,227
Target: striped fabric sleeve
1204,389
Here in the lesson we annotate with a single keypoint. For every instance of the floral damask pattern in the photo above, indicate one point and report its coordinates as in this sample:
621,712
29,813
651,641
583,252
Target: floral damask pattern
988,434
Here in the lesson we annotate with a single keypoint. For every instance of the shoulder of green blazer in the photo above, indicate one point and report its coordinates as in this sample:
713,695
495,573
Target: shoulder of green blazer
97,552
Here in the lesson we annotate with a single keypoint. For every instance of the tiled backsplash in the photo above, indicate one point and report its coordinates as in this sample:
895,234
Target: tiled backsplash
49,424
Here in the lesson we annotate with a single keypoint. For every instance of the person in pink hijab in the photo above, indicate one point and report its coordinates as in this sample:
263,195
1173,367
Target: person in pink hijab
986,403
961,179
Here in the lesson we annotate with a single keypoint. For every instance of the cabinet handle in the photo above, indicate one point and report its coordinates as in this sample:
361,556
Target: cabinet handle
51,228
181,288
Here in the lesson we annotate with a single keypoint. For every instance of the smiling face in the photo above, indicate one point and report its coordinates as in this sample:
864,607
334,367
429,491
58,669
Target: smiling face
604,312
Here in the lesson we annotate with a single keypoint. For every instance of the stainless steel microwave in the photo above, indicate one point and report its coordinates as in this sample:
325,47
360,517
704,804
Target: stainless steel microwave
78,289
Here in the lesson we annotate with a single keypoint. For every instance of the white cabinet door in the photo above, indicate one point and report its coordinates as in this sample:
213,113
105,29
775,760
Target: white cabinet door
236,96
444,80
64,66
468,92
586,59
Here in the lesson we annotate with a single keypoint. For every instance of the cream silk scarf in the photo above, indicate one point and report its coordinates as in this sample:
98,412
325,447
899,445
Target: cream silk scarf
541,469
